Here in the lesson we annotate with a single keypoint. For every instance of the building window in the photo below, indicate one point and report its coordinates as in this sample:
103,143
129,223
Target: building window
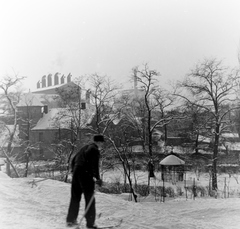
40,136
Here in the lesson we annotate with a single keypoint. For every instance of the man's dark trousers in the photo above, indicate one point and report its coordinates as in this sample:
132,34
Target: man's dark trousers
82,183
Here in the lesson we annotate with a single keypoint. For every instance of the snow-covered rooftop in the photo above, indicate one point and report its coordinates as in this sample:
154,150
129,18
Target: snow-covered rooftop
61,118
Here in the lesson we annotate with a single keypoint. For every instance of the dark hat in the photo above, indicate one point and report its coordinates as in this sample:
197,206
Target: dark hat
98,138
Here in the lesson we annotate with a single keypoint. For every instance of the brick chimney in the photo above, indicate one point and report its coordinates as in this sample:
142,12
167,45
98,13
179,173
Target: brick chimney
44,81
49,79
69,78
38,84
56,79
62,79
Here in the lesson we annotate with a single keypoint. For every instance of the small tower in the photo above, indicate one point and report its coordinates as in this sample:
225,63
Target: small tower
135,82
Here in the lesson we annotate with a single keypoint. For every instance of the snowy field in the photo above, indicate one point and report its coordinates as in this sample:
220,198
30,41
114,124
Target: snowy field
44,204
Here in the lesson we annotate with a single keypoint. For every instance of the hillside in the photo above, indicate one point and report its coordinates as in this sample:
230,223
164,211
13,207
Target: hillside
40,205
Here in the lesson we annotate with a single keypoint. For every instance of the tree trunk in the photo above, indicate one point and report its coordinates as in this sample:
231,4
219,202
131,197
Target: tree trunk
196,143
165,133
214,172
26,168
215,157
149,134
129,179
9,163
28,157
8,171
69,163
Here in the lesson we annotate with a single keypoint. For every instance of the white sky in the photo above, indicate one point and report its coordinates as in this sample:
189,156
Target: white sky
111,37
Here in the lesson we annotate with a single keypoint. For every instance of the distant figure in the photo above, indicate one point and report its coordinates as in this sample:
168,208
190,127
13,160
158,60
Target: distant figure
85,167
151,169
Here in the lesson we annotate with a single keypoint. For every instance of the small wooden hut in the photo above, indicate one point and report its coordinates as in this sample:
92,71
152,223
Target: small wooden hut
172,169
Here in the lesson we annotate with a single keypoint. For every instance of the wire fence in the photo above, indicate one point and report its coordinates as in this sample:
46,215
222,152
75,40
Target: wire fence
193,186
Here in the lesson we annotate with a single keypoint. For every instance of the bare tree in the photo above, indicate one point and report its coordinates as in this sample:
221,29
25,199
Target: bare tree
155,100
196,125
9,98
148,82
165,102
107,112
27,119
103,93
122,152
212,87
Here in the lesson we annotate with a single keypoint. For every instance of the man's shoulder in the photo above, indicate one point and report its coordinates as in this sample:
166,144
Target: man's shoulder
82,150
92,146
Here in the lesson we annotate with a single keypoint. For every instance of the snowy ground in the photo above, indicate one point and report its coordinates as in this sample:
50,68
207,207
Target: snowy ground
24,205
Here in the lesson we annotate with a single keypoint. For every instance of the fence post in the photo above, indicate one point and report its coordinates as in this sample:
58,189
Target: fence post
163,190
209,190
185,184
194,189
225,187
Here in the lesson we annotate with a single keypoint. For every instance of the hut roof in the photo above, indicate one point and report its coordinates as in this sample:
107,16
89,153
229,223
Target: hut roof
172,160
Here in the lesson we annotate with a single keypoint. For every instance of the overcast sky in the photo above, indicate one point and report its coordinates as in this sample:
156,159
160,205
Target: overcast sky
111,37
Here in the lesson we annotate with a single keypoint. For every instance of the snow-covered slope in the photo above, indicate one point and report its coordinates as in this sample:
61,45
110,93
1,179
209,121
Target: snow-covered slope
44,204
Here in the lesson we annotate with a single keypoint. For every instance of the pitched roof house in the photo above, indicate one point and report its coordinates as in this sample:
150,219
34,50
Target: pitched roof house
43,120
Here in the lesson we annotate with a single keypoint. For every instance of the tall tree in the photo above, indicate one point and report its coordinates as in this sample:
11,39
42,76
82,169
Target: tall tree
196,126
212,87
165,102
107,112
27,119
153,101
103,92
10,96
146,78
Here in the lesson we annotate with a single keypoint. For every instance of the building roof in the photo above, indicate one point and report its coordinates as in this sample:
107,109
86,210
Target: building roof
230,135
53,89
61,118
48,121
172,160
204,139
231,146
29,99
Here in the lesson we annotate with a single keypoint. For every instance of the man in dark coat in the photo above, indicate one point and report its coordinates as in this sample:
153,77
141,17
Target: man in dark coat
85,168
151,169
